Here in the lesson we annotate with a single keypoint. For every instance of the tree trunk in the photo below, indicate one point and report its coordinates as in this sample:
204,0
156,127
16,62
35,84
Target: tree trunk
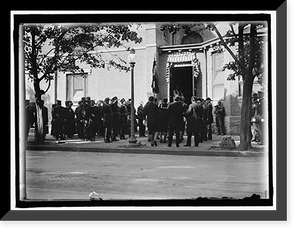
39,125
245,127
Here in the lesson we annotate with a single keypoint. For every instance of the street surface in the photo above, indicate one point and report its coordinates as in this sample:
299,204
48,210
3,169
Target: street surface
74,175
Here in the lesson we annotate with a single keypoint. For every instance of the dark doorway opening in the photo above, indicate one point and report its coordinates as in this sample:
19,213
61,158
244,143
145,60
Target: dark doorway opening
182,82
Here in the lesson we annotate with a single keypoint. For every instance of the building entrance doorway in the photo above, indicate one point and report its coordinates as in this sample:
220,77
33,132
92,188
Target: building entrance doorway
181,82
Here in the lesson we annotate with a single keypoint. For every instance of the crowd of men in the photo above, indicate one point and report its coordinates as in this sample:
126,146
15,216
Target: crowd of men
177,117
110,119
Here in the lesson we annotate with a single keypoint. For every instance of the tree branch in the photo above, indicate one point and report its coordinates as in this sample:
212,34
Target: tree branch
233,30
227,48
46,55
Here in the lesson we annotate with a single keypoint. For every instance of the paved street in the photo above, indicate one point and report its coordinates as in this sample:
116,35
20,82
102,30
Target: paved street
74,175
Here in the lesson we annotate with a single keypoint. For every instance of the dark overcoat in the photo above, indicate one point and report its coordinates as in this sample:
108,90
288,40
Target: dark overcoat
151,111
175,113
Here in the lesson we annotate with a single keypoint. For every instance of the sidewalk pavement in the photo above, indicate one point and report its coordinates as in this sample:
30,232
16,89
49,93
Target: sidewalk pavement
206,148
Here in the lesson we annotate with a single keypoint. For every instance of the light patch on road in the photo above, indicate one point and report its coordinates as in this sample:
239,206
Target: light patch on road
183,178
77,172
176,167
146,180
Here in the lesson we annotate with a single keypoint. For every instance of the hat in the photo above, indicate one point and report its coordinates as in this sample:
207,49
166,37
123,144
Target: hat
114,99
208,99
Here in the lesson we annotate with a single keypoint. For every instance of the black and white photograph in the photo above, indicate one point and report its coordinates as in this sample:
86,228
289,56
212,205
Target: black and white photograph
159,110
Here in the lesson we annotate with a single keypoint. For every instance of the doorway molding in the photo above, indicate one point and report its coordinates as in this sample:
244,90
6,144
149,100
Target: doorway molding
182,59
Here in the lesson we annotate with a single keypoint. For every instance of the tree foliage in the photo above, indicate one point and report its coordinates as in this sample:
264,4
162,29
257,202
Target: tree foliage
59,47
245,61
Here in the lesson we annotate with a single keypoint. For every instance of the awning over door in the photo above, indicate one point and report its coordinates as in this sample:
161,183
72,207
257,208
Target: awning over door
183,57
180,57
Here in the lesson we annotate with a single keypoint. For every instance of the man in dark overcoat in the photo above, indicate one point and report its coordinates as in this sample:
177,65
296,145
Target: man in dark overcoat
92,118
193,115
151,111
80,116
70,126
175,113
59,119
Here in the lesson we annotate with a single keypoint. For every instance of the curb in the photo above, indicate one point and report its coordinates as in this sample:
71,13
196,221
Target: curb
135,150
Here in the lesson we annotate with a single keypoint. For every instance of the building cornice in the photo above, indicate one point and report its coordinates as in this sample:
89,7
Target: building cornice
198,46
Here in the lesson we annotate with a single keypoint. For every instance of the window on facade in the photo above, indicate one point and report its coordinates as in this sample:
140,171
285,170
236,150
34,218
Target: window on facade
76,87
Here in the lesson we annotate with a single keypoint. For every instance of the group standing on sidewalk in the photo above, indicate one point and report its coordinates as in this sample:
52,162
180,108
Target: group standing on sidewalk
110,119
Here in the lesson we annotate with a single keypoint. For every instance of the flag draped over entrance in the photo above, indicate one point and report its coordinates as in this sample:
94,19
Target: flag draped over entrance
154,84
